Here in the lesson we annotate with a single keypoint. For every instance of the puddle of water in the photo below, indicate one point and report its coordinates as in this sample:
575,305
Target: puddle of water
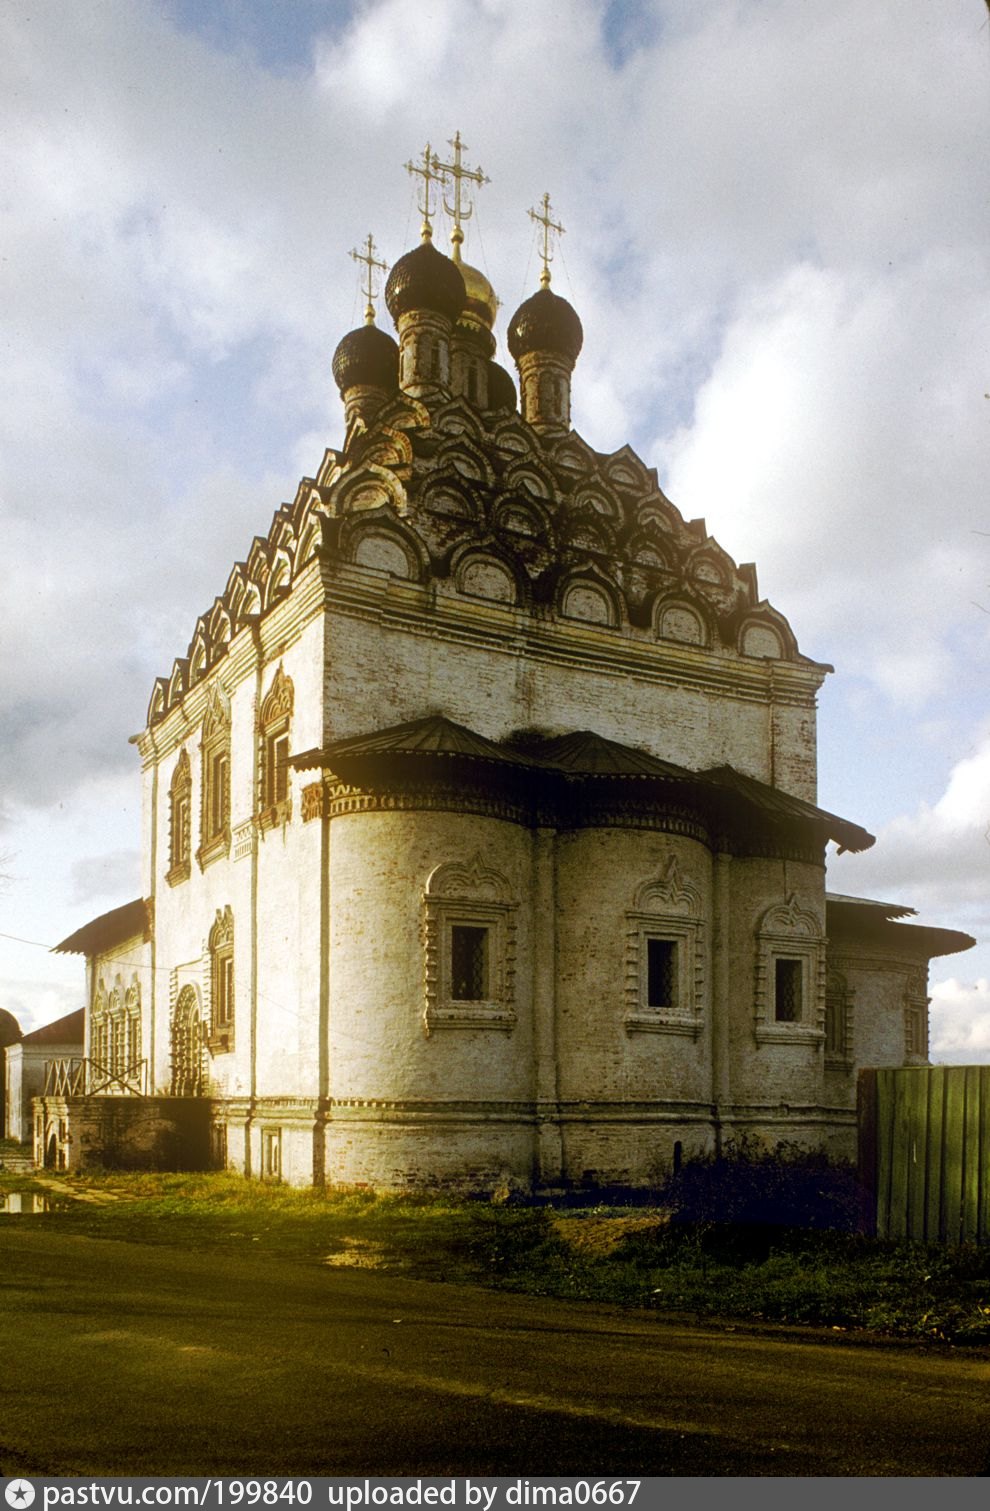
22,1202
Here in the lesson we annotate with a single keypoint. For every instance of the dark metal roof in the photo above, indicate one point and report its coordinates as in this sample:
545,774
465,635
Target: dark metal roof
583,754
775,804
839,901
67,1030
865,921
110,929
434,735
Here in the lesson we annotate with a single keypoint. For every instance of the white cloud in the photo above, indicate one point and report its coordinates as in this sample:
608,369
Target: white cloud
960,1022
776,242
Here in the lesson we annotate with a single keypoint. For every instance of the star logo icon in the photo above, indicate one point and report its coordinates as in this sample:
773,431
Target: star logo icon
19,1494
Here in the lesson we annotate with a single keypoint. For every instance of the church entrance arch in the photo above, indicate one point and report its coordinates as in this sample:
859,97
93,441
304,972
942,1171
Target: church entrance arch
187,1045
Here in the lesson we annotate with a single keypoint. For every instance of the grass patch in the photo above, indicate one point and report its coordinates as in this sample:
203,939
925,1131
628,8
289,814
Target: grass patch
673,1258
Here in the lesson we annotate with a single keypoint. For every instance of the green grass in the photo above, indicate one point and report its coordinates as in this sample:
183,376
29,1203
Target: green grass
629,1257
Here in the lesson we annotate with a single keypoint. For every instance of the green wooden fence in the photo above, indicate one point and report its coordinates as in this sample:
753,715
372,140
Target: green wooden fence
924,1152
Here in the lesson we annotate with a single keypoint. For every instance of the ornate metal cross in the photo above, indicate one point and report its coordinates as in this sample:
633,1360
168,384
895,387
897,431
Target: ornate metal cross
459,210
368,287
429,173
548,225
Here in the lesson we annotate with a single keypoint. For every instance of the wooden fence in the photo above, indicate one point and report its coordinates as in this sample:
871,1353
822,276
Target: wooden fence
924,1152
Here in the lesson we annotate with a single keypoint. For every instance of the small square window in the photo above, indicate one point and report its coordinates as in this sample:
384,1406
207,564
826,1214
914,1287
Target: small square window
468,963
661,973
787,991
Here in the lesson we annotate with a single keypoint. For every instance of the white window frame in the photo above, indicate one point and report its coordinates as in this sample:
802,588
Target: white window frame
469,895
788,931
669,908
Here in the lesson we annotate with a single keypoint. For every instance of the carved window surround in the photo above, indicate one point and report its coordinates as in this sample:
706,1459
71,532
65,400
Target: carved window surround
669,909
215,801
219,845
790,932
220,1039
180,822
274,817
274,806
839,1001
469,896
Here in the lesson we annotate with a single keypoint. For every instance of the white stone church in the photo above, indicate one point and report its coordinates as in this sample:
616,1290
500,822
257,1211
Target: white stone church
480,837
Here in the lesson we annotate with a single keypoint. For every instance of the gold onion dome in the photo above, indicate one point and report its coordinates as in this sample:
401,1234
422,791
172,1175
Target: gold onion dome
424,279
367,357
545,323
481,305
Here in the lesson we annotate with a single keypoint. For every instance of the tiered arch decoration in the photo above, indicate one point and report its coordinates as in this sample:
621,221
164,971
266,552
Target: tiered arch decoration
677,619
665,981
221,947
274,719
555,501
381,541
766,634
180,822
469,921
215,796
187,1045
789,987
481,572
589,597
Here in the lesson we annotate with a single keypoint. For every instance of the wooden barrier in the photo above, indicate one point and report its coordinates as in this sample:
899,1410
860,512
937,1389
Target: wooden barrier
924,1152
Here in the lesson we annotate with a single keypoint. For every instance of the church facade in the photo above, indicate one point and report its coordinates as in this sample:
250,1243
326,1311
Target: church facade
480,837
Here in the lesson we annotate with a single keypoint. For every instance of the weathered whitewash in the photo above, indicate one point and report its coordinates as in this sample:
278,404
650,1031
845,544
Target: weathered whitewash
480,839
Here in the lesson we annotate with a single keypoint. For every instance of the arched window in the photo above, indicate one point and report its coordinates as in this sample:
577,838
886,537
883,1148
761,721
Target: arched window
215,814
221,1038
187,1045
180,822
273,730
99,1036
132,1017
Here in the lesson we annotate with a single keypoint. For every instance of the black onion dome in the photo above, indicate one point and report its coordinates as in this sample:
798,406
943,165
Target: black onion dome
545,323
366,356
425,279
501,389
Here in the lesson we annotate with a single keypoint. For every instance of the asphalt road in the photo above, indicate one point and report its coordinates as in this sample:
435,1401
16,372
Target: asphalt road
126,1359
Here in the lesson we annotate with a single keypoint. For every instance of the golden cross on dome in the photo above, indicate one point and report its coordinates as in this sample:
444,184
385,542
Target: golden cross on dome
456,170
368,287
548,225
429,174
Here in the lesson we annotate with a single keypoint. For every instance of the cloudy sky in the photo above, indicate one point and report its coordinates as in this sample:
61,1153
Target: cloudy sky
777,239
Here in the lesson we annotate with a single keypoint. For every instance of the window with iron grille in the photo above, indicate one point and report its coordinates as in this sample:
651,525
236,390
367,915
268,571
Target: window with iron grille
470,948
468,963
787,991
